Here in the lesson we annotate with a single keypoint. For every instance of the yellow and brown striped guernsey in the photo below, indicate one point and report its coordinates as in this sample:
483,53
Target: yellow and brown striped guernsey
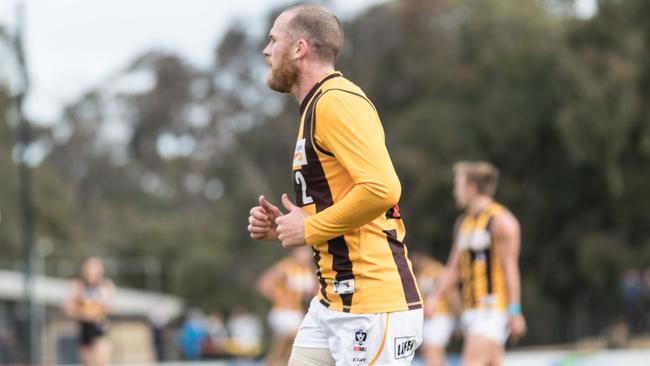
292,289
362,264
481,272
428,279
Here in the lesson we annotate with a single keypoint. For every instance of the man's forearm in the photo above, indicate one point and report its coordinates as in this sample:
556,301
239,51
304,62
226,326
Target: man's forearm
361,205
448,279
513,284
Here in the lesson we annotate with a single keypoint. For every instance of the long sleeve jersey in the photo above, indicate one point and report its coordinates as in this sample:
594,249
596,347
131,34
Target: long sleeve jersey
344,179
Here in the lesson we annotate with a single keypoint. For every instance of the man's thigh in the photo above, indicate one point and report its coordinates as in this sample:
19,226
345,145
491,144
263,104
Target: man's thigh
303,356
438,330
479,350
311,333
492,325
311,345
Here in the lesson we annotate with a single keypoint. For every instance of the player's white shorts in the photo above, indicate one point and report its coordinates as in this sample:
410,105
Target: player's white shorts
285,322
438,330
492,324
362,339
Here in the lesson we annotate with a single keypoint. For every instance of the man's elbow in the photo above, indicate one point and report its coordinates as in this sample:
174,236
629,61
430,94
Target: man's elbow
394,192
382,193
391,192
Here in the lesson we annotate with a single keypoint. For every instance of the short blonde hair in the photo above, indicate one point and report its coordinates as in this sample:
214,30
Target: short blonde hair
482,173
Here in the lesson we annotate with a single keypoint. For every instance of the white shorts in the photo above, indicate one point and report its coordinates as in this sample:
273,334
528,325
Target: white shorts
362,339
492,324
285,322
438,330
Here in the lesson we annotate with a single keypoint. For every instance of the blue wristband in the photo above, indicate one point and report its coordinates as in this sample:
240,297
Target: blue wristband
514,309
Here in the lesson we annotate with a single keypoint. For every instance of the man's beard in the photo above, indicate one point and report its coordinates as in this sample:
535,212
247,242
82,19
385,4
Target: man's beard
284,76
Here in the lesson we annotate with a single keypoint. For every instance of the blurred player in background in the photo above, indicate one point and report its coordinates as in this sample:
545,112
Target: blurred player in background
245,329
439,327
368,309
287,285
89,305
485,257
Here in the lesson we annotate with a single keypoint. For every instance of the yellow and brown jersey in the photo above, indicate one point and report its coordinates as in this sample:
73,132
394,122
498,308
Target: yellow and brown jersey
428,280
294,286
92,300
481,271
343,177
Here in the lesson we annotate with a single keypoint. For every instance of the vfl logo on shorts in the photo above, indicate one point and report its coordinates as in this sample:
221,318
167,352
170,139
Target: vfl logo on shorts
404,347
360,336
359,349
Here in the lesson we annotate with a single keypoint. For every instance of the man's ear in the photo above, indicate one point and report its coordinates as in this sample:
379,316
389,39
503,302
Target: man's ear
302,49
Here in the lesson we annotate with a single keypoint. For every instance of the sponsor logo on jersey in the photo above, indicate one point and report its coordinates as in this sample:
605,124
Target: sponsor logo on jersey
489,300
475,240
299,154
343,287
404,347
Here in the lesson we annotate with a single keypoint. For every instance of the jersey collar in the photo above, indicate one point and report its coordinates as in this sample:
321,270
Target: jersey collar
313,90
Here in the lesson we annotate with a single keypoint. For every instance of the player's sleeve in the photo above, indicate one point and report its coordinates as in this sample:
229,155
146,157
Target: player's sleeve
348,127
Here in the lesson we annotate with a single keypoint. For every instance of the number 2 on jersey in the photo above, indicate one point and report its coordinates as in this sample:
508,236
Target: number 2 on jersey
300,180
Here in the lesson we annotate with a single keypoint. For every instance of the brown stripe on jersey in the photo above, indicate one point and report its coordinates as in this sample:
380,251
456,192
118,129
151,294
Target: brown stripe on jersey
317,186
321,280
466,283
358,95
325,303
488,258
313,139
313,90
399,255
342,264
312,129
488,269
472,278
319,190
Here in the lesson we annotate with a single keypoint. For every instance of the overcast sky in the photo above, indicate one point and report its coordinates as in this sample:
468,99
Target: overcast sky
73,45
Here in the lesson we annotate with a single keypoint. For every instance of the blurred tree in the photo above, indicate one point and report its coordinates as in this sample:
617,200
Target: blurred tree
51,208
